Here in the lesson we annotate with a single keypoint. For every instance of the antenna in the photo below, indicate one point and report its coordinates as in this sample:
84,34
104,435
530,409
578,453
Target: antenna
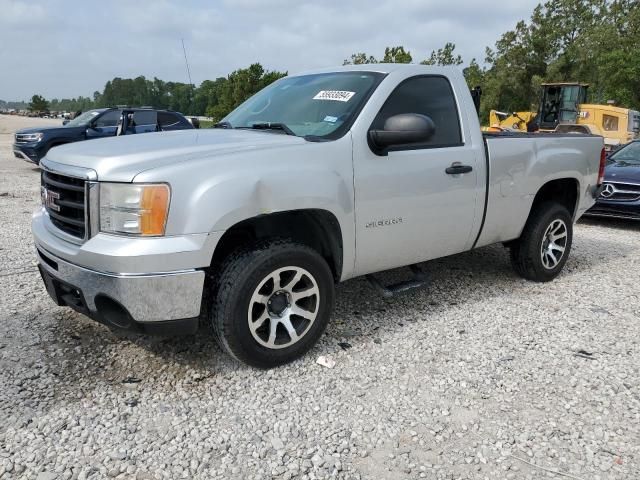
186,62
184,50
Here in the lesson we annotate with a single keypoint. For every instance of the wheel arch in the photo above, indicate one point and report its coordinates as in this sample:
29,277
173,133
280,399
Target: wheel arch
565,191
316,228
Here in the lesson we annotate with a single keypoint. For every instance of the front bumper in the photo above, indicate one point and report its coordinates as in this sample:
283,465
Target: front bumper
150,285
165,303
27,151
613,209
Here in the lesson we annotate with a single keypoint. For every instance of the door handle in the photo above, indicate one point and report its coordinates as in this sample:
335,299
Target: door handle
457,168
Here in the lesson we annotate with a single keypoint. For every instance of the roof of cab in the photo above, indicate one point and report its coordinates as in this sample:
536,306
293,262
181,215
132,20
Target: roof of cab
379,67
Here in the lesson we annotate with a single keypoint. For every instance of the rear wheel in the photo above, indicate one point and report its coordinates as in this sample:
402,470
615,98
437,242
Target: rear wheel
272,302
543,248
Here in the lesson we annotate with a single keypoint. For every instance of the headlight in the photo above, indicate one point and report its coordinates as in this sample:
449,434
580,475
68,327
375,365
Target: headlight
30,137
134,209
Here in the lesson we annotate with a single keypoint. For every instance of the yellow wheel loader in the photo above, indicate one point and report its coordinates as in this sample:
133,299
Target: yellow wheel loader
516,121
563,109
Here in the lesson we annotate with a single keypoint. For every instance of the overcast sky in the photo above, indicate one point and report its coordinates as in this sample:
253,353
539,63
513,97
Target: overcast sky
66,48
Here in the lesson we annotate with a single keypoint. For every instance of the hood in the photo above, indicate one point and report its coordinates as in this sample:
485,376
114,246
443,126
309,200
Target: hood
623,173
55,129
120,159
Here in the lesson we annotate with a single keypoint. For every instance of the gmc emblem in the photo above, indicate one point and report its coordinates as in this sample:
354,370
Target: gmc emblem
49,199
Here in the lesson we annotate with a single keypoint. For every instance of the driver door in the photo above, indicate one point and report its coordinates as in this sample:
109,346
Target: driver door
408,208
105,125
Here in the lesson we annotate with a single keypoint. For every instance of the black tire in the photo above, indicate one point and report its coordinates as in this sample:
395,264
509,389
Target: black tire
240,276
527,254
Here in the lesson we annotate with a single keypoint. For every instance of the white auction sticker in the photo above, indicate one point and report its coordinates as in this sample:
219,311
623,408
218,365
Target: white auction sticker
335,95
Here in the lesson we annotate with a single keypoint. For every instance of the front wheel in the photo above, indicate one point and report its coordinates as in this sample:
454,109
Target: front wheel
273,302
543,248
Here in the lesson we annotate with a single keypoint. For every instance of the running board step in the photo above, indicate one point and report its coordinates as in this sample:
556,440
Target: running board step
419,280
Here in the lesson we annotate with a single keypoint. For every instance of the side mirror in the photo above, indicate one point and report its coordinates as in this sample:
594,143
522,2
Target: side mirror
64,122
92,131
403,129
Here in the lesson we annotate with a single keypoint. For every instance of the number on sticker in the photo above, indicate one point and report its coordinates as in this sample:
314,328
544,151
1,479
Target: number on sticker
335,95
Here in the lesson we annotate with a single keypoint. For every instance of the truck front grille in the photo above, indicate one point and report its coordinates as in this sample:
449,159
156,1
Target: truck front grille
623,192
64,199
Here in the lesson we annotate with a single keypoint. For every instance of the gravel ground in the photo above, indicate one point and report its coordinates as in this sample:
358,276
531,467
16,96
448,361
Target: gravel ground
481,376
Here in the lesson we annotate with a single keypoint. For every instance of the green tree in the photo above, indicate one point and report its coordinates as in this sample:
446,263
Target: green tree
507,83
239,86
396,55
391,55
359,59
474,74
179,97
140,92
444,56
207,95
38,104
607,58
158,93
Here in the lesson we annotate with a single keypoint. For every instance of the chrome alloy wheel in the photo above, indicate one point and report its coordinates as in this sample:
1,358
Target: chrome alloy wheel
283,307
554,243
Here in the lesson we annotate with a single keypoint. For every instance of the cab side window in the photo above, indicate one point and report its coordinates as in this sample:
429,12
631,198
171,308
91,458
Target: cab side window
431,96
610,123
108,119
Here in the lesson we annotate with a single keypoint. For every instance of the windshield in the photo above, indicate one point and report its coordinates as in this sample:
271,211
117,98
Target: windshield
83,119
315,105
629,154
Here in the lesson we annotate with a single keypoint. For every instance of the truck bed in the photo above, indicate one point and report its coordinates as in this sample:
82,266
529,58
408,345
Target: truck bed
519,163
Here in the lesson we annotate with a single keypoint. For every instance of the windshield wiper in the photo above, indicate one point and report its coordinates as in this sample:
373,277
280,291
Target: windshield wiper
273,126
222,125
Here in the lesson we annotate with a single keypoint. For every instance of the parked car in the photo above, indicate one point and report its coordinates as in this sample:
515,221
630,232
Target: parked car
31,144
316,179
620,196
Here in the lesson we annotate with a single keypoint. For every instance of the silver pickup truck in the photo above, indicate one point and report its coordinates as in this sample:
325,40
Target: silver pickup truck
318,178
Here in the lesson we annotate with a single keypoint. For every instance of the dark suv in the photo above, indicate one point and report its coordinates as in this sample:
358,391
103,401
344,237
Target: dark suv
620,197
32,144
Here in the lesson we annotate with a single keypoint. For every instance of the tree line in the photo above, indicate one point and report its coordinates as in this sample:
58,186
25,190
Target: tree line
213,98
591,41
